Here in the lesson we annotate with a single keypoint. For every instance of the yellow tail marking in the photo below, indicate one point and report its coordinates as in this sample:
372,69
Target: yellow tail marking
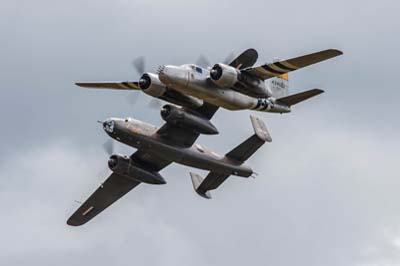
284,76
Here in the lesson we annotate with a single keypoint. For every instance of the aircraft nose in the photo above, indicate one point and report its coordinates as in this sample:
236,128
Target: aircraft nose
161,69
108,125
164,74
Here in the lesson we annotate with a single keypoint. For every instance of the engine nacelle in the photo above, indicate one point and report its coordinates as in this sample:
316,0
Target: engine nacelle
124,166
194,122
151,85
224,76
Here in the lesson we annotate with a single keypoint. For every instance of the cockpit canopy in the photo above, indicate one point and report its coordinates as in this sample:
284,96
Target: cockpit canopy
108,125
195,68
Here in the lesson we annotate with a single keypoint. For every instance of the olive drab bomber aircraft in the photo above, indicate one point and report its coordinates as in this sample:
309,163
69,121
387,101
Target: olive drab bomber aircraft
159,147
234,85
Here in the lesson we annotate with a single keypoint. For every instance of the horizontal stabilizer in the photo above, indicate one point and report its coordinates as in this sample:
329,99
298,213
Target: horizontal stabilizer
128,85
197,180
299,97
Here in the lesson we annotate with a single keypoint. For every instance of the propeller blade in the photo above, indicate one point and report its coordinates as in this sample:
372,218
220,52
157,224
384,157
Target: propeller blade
155,103
229,58
139,65
132,98
109,147
203,61
104,172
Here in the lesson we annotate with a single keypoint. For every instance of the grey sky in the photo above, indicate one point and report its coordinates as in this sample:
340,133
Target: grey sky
327,193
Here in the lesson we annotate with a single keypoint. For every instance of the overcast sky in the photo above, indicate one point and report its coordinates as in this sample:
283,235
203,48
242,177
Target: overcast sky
327,190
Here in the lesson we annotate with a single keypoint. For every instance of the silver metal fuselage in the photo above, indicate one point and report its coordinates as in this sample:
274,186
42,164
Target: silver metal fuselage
144,136
188,81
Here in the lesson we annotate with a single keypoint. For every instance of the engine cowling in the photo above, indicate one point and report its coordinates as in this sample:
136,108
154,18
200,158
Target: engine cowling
223,75
151,85
194,122
124,166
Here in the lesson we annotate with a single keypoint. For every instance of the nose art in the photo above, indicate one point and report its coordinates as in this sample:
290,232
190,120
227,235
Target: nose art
163,74
161,69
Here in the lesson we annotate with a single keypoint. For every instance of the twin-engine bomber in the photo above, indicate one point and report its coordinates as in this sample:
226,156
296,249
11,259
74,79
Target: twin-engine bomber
199,91
159,147
234,85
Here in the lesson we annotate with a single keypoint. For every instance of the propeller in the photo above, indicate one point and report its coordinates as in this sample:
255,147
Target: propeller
108,147
155,104
203,61
139,64
229,58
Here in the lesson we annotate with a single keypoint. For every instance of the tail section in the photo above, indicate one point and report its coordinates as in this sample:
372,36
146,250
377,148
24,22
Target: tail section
237,156
244,150
299,97
279,86
197,180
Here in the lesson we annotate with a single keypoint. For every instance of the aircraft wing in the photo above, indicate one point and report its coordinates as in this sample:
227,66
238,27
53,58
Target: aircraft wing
114,188
127,85
282,67
181,136
110,191
246,59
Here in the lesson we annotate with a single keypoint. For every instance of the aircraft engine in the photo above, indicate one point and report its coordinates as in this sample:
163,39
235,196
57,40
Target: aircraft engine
224,76
124,166
195,122
151,85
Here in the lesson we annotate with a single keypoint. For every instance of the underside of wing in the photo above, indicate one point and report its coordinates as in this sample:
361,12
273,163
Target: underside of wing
110,191
150,160
184,137
278,68
127,85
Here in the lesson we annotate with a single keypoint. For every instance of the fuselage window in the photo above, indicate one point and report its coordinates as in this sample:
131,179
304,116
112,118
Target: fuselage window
199,70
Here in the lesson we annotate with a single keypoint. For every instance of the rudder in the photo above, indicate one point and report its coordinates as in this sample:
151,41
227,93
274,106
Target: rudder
279,86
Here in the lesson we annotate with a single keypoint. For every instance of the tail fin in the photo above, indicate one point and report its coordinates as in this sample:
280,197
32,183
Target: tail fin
279,86
197,180
299,97
247,148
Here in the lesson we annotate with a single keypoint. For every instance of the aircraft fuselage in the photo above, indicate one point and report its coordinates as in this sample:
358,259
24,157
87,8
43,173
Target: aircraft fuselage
187,80
144,136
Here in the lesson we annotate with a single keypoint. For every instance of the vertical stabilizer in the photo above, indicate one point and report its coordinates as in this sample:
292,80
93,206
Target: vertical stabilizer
279,86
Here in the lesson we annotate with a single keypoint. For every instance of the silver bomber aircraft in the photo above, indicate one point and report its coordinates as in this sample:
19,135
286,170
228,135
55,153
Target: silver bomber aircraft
234,86
159,147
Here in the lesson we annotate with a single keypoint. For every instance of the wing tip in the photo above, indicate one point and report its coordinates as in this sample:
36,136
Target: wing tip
72,222
335,51
79,84
319,91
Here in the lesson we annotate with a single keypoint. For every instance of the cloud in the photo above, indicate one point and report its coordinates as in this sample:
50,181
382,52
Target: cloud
330,198
327,189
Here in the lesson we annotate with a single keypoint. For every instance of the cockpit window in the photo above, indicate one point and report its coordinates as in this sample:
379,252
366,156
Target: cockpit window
108,126
199,70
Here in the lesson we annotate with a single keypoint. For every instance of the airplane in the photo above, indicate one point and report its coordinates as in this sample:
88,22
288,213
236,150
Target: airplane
159,147
234,86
